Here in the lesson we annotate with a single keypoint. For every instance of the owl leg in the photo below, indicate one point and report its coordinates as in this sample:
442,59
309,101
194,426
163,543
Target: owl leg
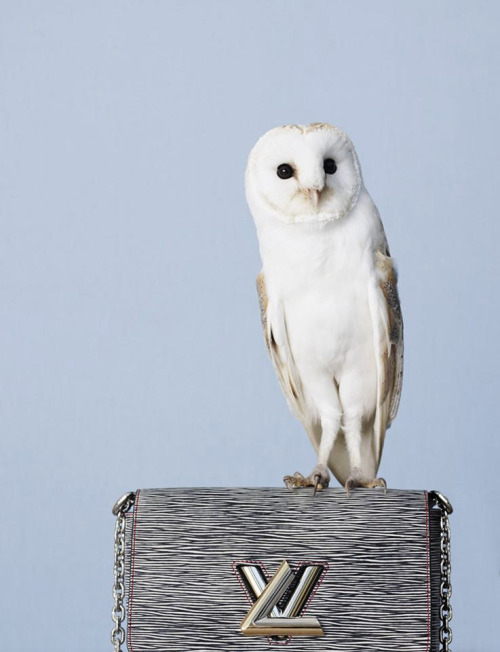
330,427
319,478
361,474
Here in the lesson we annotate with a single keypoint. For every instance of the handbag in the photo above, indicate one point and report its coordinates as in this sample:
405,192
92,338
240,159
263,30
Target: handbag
247,569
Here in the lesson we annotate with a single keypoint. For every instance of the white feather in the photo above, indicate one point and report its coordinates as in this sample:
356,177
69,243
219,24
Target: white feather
327,318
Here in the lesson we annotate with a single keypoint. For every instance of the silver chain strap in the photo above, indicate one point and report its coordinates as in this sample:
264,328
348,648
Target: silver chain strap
445,610
118,613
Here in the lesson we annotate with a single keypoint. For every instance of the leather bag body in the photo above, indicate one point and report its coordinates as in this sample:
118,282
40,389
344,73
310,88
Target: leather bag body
377,557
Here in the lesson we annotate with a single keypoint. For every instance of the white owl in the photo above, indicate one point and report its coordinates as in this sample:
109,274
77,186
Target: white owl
328,296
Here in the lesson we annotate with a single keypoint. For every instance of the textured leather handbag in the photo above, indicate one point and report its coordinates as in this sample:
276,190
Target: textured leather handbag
248,569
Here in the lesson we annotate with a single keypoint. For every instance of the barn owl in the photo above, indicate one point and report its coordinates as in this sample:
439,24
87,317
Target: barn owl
328,298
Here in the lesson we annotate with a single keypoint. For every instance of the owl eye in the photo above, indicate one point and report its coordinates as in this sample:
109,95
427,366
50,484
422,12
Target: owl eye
284,171
329,166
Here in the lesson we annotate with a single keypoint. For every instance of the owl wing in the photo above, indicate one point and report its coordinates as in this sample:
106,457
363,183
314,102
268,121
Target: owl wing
276,338
387,322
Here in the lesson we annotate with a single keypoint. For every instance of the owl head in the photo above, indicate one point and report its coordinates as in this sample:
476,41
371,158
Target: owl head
303,174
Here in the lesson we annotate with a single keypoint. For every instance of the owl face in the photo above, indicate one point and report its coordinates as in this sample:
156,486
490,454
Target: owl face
303,174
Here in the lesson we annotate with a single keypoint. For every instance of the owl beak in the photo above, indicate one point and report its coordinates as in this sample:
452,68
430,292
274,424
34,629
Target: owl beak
314,194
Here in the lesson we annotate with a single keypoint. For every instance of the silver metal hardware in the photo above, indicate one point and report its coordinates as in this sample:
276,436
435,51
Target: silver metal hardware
124,503
258,621
445,610
442,500
120,508
255,577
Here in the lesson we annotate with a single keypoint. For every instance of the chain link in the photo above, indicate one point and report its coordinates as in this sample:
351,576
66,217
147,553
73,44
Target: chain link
445,611
118,611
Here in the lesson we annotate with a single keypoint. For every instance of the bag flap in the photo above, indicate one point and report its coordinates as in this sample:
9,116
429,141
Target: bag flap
186,590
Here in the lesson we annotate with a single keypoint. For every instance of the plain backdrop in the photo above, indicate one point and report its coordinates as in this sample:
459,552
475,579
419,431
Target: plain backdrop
132,354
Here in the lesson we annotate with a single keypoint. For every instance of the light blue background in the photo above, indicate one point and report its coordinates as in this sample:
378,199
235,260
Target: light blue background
132,354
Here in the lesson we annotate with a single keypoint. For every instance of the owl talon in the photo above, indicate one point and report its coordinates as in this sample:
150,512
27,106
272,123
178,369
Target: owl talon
295,480
356,479
316,484
319,479
381,483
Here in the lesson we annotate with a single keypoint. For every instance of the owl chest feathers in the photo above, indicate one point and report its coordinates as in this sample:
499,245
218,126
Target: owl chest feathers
318,279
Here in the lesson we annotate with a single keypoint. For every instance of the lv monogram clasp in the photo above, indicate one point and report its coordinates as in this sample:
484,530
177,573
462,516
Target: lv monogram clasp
273,613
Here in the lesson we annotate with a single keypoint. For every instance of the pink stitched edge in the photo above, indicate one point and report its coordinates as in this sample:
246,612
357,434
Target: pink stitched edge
428,571
285,642
129,628
262,565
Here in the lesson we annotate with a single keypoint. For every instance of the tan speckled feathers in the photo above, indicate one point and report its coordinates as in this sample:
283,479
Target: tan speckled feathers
281,357
392,354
